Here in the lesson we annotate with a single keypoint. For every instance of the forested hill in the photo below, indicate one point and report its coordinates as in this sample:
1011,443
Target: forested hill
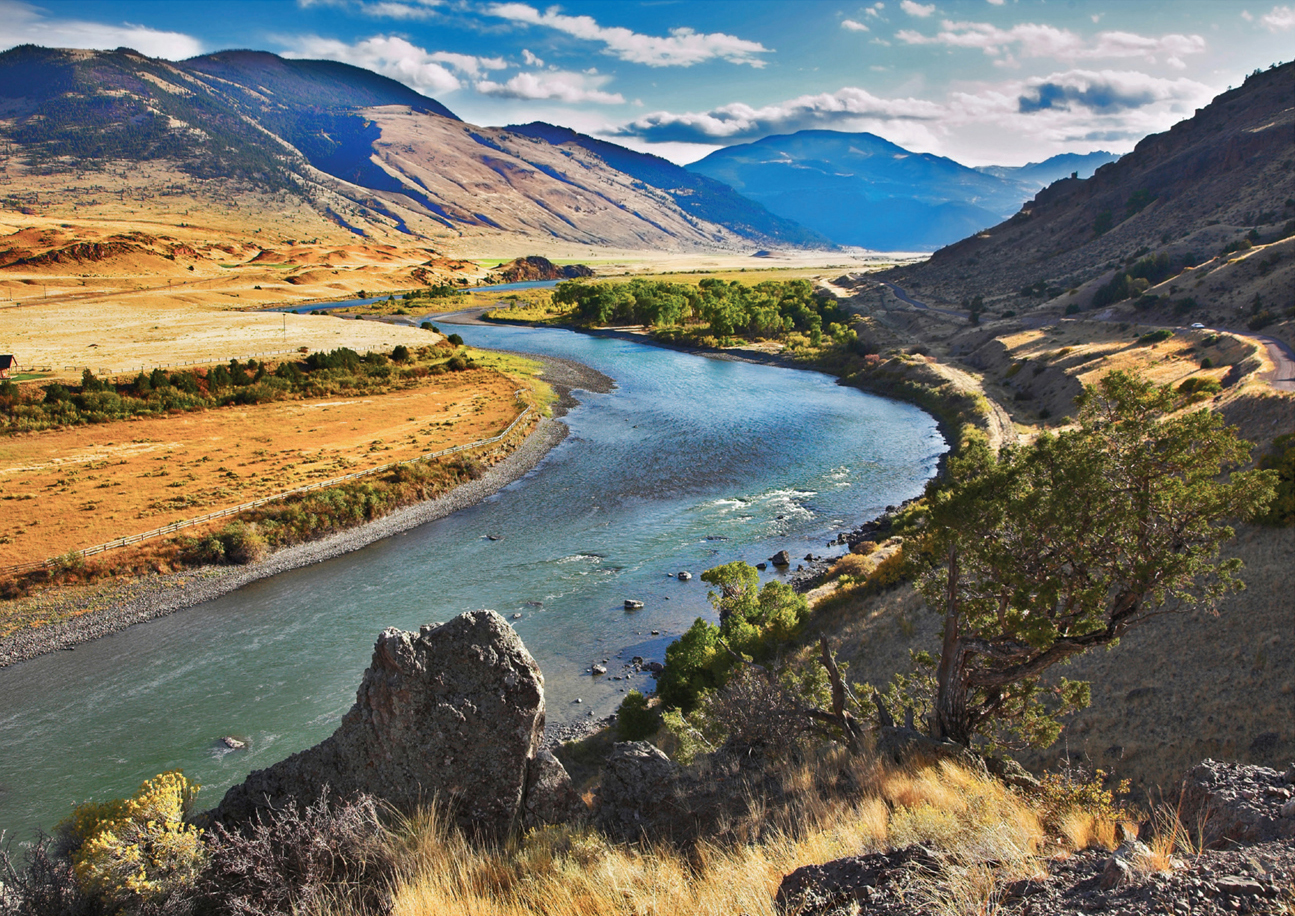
371,156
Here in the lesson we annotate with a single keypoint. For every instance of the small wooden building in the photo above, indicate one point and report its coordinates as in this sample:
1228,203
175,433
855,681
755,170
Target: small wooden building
7,362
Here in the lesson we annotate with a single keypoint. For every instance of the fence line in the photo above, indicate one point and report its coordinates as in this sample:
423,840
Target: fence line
234,510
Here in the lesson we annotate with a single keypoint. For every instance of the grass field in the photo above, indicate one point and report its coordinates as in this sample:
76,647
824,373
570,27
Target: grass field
75,487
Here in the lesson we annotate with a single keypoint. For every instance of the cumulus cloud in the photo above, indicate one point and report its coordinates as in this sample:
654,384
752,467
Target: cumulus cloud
844,108
430,72
683,47
1034,40
851,26
1280,18
920,10
531,59
1107,91
22,23
557,85
875,10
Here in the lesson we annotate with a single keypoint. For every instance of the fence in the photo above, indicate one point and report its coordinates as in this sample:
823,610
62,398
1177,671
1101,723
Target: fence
234,510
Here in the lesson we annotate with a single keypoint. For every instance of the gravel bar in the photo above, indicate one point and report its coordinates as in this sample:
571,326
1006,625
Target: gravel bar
107,609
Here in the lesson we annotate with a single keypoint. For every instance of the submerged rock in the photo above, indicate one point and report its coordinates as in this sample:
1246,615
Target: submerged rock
454,713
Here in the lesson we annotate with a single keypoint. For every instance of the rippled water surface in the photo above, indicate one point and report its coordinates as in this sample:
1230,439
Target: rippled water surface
689,463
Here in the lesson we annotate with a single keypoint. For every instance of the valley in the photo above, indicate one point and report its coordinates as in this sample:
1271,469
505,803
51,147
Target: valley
713,459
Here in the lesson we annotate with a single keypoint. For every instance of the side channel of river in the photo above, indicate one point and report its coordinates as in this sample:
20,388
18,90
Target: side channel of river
689,463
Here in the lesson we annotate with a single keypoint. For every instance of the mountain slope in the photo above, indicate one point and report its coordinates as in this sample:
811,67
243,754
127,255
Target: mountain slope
859,189
701,196
1202,214
317,148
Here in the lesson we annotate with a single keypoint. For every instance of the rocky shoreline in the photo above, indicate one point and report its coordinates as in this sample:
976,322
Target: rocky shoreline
110,609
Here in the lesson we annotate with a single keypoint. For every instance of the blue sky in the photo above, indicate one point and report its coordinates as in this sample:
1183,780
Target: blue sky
982,81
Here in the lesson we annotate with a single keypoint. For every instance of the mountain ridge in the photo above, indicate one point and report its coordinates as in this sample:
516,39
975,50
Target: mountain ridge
861,189
366,155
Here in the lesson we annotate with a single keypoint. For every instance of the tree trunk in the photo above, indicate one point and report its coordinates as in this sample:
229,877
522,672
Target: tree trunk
950,721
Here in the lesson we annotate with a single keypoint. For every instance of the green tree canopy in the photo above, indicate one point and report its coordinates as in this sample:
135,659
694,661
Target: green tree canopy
1055,548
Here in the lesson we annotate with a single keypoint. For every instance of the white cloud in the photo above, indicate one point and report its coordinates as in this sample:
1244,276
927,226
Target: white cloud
682,48
430,72
738,121
920,10
997,2
1034,40
1106,91
851,26
558,85
1279,18
875,9
1245,14
22,23
1072,110
530,59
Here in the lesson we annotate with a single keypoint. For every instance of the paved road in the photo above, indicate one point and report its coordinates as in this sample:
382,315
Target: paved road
1283,379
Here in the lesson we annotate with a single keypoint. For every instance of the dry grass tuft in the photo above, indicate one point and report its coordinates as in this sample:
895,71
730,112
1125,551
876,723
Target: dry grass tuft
563,871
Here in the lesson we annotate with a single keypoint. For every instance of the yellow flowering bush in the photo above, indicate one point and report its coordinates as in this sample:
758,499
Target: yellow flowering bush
136,849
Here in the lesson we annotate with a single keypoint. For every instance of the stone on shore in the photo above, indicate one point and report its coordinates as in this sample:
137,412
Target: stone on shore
453,713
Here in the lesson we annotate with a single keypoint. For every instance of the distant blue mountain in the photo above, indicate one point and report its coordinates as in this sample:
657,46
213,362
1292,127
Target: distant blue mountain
1041,174
859,189
696,194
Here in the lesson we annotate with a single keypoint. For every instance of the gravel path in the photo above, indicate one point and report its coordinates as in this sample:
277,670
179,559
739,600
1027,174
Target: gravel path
110,608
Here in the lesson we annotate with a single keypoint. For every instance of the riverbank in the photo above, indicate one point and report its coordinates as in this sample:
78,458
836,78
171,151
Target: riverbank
952,396
109,608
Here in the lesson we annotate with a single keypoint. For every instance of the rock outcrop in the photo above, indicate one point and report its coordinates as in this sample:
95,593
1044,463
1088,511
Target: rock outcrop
453,713
535,267
1235,803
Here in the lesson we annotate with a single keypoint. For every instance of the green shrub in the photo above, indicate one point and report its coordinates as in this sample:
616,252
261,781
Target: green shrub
635,721
753,624
1154,337
243,543
1281,512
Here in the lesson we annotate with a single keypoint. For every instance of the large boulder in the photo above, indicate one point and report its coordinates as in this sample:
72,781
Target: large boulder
639,790
453,713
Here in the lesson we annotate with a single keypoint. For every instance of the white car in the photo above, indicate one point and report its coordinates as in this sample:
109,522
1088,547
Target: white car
1197,325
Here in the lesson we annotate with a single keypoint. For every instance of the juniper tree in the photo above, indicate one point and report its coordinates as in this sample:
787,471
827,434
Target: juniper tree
1052,549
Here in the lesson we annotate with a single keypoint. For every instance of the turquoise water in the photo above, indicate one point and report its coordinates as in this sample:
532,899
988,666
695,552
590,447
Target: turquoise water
689,463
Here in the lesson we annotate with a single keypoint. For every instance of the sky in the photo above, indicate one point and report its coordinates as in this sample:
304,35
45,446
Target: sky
985,82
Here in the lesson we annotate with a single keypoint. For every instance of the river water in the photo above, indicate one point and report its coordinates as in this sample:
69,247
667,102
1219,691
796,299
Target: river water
688,463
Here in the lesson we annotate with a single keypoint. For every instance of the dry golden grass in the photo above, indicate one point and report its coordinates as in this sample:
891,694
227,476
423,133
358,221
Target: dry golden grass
566,871
73,488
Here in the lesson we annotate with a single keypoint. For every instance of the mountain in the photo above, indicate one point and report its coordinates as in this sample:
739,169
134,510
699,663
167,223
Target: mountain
859,189
703,197
1041,174
1200,218
317,148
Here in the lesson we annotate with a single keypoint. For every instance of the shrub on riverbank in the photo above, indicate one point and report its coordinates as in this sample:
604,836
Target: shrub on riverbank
337,373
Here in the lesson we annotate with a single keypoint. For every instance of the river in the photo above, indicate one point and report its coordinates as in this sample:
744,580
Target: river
688,463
